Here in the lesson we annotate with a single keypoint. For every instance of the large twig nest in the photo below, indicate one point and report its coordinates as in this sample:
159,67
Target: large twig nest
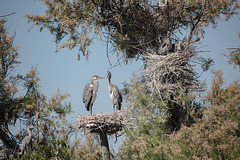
109,123
170,73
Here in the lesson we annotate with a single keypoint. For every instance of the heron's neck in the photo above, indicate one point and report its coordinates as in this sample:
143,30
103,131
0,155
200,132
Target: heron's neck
95,84
29,132
109,80
109,84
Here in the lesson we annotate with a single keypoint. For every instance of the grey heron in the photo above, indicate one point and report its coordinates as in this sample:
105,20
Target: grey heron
27,145
165,46
179,46
114,93
90,92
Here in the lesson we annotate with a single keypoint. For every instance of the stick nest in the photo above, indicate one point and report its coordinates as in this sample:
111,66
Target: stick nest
110,123
170,73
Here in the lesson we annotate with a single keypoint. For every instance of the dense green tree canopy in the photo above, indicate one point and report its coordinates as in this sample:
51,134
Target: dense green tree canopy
21,101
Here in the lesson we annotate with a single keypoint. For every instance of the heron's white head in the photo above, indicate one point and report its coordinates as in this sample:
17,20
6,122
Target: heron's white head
30,127
95,78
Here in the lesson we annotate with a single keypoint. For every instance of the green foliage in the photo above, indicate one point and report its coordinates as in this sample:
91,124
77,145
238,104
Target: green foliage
151,138
215,136
55,104
52,134
91,150
234,56
15,105
8,84
214,132
142,105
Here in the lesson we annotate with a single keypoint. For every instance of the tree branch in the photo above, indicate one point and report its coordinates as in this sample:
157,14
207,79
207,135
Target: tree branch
8,14
10,143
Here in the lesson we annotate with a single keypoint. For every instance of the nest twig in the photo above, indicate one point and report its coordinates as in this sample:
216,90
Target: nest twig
170,73
109,123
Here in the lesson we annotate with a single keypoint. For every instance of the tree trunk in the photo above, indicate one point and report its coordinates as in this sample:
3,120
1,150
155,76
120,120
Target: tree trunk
104,146
10,143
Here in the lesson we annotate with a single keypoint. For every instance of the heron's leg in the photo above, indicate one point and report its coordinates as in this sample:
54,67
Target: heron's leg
91,110
113,108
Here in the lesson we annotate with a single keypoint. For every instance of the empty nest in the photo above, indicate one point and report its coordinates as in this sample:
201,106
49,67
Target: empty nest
109,123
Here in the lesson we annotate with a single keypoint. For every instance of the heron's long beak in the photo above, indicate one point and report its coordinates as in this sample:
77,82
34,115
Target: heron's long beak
100,77
32,127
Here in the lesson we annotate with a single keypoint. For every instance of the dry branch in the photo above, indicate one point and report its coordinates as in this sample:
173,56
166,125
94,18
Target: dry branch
109,123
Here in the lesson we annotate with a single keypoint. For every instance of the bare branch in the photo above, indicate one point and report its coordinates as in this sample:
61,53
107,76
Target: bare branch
8,14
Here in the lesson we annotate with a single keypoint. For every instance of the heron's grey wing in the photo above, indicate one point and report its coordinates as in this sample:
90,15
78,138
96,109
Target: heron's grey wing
23,145
25,142
30,146
120,96
165,46
87,95
117,96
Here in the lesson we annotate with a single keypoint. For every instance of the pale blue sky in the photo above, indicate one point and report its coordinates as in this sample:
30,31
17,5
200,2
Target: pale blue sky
62,70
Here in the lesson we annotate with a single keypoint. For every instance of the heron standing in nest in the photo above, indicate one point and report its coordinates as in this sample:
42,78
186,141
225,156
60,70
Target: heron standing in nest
90,92
114,93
